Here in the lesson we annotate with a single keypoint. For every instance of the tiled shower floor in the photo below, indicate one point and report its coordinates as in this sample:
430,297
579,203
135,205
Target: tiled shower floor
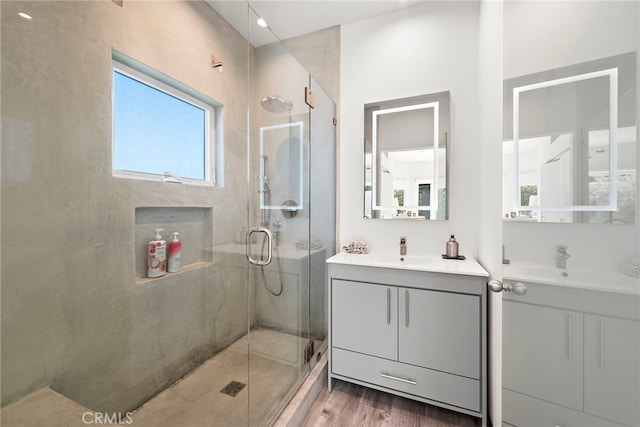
195,400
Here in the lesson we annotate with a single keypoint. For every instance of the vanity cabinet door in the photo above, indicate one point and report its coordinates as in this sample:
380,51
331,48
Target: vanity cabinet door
440,330
543,353
364,318
611,371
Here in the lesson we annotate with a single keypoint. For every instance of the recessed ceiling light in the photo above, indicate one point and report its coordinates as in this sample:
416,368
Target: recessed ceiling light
262,23
24,15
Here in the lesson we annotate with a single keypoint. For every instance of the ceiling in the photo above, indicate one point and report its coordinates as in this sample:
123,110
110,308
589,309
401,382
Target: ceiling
291,18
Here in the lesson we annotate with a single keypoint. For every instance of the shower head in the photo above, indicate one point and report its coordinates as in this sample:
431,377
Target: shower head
275,104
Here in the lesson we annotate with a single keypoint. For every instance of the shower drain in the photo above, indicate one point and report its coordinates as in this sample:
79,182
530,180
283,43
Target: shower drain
233,388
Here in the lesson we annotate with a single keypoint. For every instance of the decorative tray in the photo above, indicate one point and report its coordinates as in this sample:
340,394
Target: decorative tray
454,257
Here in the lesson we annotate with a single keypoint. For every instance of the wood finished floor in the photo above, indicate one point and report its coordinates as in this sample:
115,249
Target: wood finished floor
351,405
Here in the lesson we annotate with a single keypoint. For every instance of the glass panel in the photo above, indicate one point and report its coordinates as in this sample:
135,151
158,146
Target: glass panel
570,343
322,242
278,201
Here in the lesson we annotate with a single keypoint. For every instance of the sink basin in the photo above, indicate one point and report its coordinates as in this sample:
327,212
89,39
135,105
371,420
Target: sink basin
595,280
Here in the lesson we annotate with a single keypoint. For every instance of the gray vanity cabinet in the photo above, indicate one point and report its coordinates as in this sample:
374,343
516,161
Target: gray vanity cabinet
439,330
416,334
545,358
570,357
365,318
612,374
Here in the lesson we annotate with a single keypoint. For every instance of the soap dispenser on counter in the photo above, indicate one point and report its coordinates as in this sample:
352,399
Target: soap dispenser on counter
452,248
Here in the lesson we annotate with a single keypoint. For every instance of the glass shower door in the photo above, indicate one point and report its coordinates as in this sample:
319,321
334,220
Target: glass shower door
322,236
279,206
571,310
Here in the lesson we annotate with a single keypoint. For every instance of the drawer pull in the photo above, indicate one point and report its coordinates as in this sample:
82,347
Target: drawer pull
404,380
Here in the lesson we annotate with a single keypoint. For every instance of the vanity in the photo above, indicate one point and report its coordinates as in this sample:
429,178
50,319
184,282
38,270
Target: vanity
571,347
415,327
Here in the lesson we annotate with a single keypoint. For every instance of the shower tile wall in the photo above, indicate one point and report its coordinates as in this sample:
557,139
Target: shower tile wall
72,314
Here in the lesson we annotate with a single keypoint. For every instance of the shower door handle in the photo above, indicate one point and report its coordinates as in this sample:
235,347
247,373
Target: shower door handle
248,245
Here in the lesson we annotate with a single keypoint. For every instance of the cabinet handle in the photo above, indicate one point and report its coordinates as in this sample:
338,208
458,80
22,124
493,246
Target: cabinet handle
570,341
404,380
601,344
388,306
406,308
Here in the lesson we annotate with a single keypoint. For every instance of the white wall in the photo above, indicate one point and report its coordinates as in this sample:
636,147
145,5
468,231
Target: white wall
566,33
420,50
490,239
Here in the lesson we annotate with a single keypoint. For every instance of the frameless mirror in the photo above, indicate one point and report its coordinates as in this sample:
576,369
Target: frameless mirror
405,154
282,144
571,155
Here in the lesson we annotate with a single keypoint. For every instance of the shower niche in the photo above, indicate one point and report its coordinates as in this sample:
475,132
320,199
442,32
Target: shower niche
194,225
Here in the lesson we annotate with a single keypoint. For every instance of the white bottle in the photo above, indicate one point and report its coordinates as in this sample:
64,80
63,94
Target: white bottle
157,256
175,254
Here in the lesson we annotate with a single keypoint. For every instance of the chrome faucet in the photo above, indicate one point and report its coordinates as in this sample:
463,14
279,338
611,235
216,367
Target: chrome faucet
504,259
561,257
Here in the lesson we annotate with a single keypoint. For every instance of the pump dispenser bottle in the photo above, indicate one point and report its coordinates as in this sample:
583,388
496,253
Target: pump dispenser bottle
157,256
452,248
175,254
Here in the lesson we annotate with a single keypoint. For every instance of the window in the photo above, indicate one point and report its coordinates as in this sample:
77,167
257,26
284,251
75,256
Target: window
162,130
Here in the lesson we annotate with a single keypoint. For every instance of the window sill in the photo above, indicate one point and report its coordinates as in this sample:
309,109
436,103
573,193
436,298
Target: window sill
133,176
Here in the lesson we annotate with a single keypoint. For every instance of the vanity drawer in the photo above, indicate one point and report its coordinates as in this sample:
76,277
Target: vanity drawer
434,385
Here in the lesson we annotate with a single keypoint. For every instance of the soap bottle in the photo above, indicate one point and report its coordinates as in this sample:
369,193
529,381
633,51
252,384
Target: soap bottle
175,254
452,248
157,256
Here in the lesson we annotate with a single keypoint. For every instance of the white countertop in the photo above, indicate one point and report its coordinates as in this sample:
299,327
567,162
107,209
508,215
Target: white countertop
433,264
582,279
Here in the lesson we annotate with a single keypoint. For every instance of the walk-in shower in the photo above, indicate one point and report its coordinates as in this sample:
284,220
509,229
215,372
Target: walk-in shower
83,328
